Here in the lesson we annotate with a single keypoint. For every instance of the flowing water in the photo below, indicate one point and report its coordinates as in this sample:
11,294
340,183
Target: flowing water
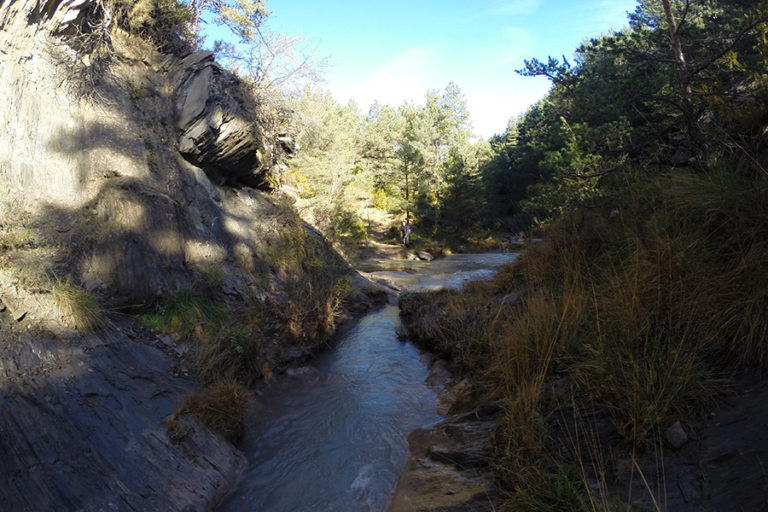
331,436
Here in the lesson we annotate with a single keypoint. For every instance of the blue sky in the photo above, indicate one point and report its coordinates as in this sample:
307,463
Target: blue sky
397,50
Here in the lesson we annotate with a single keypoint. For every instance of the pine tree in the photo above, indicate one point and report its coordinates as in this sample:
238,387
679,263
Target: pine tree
242,17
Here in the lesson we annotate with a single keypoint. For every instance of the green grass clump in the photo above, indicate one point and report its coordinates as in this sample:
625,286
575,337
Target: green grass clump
77,307
225,346
16,237
214,277
235,352
186,315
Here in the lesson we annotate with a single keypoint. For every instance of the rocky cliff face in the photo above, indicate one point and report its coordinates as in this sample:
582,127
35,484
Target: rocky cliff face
135,193
218,130
132,172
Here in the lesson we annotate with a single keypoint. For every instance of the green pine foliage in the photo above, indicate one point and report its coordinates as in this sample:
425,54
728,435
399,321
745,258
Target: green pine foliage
647,175
355,173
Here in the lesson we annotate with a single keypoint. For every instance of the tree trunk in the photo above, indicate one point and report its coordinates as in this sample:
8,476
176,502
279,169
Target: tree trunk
196,7
683,75
407,195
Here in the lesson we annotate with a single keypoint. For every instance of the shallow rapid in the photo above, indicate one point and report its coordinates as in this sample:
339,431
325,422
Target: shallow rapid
331,436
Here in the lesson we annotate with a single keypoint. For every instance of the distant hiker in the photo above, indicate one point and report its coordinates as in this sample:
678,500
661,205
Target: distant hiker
405,232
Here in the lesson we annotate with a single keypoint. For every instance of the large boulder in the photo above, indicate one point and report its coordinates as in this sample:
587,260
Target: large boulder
218,128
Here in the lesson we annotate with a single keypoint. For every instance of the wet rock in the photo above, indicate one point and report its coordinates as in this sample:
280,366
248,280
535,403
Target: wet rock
387,283
448,468
424,256
676,436
455,396
431,487
439,376
181,349
468,446
301,370
83,423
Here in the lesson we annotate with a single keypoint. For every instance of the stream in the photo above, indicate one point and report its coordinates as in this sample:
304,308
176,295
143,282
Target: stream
331,436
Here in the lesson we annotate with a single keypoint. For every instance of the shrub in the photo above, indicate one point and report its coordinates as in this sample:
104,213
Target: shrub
348,227
161,21
236,351
640,313
315,282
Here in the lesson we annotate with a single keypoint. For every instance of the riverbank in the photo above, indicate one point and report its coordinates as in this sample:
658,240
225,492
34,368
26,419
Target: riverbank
350,409
149,276
448,466
610,399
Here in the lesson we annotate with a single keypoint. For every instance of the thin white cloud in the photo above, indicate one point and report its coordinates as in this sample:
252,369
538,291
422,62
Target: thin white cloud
509,50
614,13
407,76
486,76
516,7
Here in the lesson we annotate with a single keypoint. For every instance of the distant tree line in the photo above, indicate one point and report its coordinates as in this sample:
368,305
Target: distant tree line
417,162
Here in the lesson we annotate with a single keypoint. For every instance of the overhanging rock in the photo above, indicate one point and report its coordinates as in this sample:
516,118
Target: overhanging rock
218,130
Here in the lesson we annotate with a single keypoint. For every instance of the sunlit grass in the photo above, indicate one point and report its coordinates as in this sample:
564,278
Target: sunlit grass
185,315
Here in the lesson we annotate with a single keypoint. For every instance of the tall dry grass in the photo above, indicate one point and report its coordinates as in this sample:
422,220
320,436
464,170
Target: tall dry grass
77,307
642,310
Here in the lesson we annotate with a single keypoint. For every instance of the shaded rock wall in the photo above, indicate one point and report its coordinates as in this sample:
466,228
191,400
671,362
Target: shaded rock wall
83,428
132,194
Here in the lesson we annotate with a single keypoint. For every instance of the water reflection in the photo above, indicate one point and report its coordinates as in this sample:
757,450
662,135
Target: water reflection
449,272
332,436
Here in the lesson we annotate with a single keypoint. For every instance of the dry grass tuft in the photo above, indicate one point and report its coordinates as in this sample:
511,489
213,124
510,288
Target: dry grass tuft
315,282
236,351
77,307
221,407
